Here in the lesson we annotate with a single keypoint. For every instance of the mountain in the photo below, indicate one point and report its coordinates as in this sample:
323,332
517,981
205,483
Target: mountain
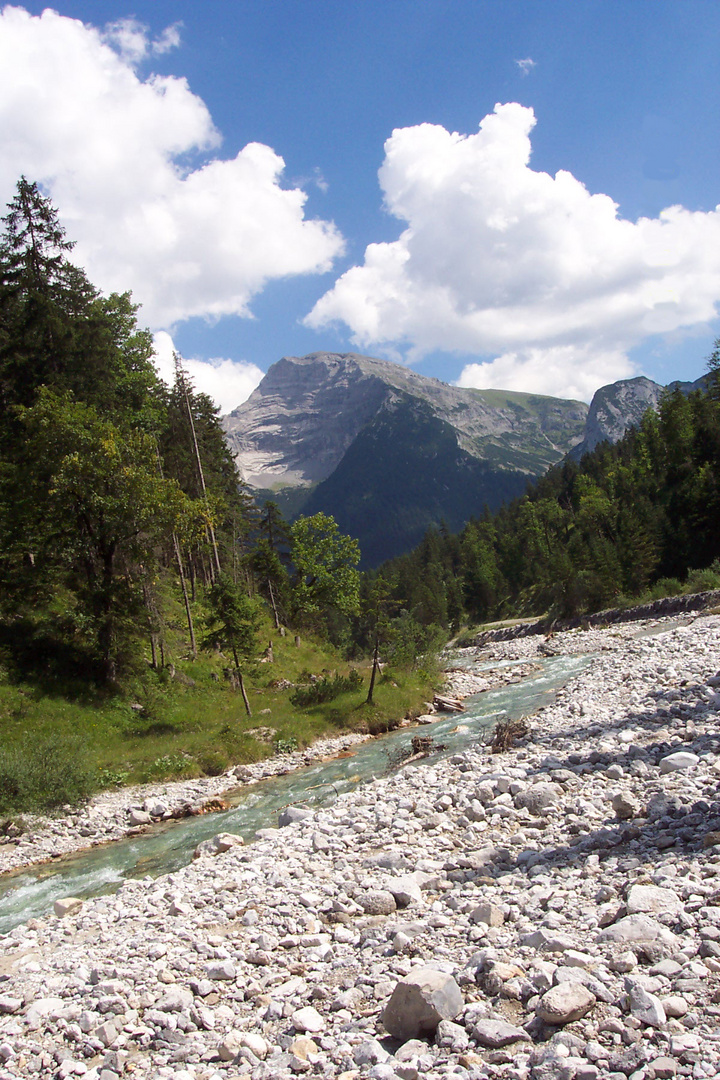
389,452
620,405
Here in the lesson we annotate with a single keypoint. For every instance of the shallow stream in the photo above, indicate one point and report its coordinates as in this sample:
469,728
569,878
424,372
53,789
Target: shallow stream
30,893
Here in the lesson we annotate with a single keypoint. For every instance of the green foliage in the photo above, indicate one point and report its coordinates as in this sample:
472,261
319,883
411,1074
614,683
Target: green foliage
325,561
286,746
43,774
627,521
232,621
326,689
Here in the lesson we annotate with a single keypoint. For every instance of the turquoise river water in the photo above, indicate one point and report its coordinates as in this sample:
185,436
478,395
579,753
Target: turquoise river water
30,893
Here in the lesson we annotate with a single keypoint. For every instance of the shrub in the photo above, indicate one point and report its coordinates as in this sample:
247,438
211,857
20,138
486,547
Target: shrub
325,689
213,762
43,775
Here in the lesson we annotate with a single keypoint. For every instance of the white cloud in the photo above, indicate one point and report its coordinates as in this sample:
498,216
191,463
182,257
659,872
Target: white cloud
531,273
111,149
563,371
526,65
227,382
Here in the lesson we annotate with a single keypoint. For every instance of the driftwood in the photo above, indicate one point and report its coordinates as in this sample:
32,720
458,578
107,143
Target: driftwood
507,734
448,704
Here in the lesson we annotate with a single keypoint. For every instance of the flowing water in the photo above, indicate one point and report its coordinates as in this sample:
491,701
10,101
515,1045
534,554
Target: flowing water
30,893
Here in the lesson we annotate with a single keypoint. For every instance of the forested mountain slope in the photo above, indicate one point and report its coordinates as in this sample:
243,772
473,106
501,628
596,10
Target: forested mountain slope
343,433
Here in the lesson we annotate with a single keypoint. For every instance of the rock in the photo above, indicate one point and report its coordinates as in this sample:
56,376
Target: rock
308,1019
682,759
291,814
644,1006
228,1049
539,797
107,1033
495,1034
9,1005
564,1003
377,902
652,899
489,914
175,1000
139,817
218,844
301,1047
637,928
687,1043
454,1036
405,891
625,805
70,905
222,970
662,1068
370,1052
547,941
420,1001
674,1006
255,1043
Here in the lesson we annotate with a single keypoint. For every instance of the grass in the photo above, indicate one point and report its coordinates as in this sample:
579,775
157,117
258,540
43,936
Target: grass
64,744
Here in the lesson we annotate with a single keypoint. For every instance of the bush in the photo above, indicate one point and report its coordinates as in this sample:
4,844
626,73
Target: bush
705,580
325,689
213,762
41,776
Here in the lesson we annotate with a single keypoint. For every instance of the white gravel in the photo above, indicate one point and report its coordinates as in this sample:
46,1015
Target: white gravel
570,888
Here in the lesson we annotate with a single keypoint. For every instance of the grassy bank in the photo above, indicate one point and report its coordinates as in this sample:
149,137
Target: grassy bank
185,720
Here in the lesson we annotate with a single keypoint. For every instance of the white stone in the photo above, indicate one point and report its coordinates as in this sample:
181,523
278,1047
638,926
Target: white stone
682,759
653,900
564,1003
69,905
308,1019
420,1001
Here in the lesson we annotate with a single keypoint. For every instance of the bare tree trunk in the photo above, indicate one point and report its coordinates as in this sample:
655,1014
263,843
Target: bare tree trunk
243,692
181,376
188,612
375,665
241,681
272,601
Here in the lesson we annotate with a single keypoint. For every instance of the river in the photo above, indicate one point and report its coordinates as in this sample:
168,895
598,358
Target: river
31,892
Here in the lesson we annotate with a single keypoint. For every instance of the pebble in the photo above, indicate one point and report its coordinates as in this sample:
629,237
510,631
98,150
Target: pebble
562,900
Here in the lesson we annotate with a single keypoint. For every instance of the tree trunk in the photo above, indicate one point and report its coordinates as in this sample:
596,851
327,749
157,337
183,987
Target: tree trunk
181,376
241,681
272,601
244,694
188,612
375,665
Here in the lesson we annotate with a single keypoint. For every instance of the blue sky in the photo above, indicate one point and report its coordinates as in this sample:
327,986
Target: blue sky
497,257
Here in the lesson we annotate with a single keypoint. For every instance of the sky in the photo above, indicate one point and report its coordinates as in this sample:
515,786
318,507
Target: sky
519,194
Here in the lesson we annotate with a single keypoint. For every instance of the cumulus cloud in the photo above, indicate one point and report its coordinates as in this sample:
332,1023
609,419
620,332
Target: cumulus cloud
227,382
540,279
131,39
112,150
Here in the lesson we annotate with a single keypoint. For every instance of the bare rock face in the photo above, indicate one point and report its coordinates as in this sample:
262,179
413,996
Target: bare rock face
615,408
420,1001
296,426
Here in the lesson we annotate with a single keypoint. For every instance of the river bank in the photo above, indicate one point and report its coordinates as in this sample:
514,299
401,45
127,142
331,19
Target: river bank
569,889
119,813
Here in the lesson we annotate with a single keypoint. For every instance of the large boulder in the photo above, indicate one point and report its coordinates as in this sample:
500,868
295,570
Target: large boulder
564,1003
217,844
538,798
420,1001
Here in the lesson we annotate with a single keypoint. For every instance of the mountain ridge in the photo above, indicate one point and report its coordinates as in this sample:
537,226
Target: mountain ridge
370,441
